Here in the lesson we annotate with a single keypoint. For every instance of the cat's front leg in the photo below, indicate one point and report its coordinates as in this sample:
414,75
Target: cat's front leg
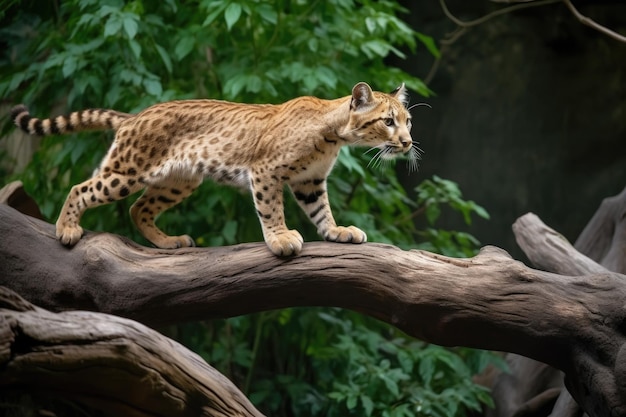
267,193
313,199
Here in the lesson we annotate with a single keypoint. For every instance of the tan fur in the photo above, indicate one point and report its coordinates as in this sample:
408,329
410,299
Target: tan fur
169,148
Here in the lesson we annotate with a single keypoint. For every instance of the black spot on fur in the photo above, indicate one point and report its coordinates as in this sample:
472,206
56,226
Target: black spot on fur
84,188
259,196
164,199
115,182
316,211
124,191
308,198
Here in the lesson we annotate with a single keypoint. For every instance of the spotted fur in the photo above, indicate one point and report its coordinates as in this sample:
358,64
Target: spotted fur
169,148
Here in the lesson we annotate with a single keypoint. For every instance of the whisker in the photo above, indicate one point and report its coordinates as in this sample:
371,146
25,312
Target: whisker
420,104
370,150
415,155
376,157
418,151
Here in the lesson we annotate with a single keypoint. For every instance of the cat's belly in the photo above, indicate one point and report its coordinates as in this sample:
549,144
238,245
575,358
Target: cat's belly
230,175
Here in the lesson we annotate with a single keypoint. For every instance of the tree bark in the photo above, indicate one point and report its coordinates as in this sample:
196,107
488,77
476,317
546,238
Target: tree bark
490,301
604,240
112,364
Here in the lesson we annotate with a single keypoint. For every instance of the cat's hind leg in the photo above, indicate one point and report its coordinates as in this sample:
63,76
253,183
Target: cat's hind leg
98,190
156,199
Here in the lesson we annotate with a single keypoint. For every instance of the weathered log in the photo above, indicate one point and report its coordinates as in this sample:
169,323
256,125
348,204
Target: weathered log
490,301
110,363
604,239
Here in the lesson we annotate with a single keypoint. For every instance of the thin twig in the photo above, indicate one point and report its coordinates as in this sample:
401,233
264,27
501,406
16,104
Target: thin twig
491,15
592,24
521,4
462,27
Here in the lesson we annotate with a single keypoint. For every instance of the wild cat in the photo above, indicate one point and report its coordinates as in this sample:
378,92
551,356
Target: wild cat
168,149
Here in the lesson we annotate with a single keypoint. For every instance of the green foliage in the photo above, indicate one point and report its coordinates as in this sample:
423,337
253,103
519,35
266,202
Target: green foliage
414,378
127,55
331,362
434,194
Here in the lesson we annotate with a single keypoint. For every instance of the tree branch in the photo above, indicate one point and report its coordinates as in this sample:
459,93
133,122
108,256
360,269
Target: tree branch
489,301
592,24
603,239
112,364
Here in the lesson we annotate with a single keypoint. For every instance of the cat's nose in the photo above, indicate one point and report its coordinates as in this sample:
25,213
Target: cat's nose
406,142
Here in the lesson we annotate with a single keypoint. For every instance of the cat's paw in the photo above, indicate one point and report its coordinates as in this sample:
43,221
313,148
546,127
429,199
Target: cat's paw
175,242
286,243
69,235
346,234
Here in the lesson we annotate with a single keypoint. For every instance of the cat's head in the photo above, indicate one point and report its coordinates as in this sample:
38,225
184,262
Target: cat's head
382,122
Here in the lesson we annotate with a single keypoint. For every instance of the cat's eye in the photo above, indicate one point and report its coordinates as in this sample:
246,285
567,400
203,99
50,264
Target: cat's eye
389,121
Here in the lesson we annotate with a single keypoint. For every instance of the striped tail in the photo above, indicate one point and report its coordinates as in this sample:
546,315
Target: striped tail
91,119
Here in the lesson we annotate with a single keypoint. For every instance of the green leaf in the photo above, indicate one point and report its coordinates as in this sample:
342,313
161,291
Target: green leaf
172,4
370,23
267,13
78,150
313,44
375,47
69,66
480,211
429,43
153,86
165,57
391,385
234,85
135,47
112,26
130,25
406,361
432,213
214,14
426,370
254,84
368,404
184,47
230,231
351,402
232,14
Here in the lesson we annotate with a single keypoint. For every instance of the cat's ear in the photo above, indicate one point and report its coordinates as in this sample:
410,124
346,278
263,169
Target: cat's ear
362,96
400,94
